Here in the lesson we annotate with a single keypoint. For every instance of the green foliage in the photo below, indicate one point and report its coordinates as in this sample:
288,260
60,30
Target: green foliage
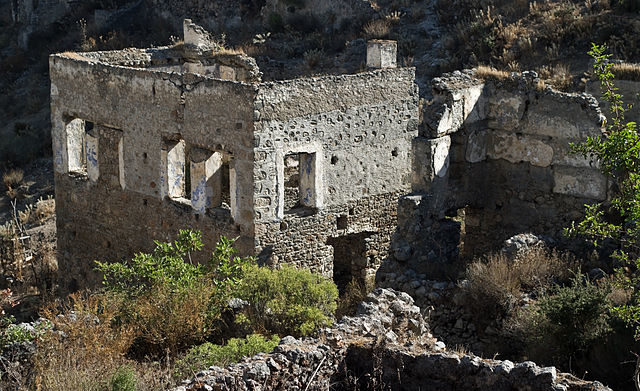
124,379
287,300
208,354
171,300
165,266
11,333
618,220
566,323
578,314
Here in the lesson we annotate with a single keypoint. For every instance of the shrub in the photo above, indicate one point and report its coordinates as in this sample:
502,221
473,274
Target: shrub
354,294
173,320
208,354
496,283
87,346
566,322
378,28
618,219
173,302
13,178
286,301
124,379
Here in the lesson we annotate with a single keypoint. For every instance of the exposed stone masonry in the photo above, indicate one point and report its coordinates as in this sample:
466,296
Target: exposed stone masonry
385,346
143,138
492,160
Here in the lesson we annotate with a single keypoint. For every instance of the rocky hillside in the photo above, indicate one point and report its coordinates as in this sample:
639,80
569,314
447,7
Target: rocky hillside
296,37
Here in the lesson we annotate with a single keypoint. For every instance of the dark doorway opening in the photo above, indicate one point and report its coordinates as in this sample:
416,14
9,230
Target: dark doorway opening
349,258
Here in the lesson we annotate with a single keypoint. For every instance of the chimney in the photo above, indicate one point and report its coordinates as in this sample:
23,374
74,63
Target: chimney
381,53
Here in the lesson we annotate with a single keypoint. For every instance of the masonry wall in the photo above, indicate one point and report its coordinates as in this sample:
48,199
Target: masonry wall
359,130
120,204
493,160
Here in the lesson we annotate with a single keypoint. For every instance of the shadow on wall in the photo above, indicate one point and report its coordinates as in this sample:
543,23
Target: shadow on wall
492,159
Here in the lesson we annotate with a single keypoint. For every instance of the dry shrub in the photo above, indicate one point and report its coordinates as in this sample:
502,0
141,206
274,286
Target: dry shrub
166,319
314,58
12,181
626,71
496,283
378,28
86,349
558,76
354,293
43,210
485,72
86,345
561,77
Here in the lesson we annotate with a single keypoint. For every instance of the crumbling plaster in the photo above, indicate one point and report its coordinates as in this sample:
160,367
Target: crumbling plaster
354,133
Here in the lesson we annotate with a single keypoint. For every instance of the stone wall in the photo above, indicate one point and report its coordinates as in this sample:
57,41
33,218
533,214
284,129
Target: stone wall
386,346
141,140
118,205
356,131
492,160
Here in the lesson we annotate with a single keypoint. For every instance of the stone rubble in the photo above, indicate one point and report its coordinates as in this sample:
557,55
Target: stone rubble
385,345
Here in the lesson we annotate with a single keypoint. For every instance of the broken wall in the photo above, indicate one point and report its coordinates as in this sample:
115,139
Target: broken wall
353,134
112,178
493,160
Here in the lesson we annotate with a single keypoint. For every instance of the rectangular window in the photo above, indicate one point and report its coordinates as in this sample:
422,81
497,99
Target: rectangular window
77,148
300,181
209,179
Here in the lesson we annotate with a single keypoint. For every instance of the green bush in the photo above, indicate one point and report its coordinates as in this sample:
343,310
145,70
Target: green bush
566,323
173,302
578,314
124,379
286,301
208,354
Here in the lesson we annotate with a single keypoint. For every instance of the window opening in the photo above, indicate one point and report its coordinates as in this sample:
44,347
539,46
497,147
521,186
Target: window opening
299,181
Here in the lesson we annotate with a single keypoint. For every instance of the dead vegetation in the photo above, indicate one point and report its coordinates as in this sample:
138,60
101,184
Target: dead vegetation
495,284
626,71
524,34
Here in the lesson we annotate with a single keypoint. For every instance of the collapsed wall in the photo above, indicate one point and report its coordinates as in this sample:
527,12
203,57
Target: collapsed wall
493,160
306,172
385,346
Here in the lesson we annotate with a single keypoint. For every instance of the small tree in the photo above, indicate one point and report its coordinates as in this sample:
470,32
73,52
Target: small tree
618,152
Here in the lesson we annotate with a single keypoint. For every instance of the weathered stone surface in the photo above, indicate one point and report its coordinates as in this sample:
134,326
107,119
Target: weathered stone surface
155,124
516,149
506,109
388,337
477,143
586,183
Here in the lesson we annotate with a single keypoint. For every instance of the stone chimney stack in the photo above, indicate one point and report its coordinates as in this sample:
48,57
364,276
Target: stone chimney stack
381,53
197,40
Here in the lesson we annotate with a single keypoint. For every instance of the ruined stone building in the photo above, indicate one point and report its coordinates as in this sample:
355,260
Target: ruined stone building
335,173
305,171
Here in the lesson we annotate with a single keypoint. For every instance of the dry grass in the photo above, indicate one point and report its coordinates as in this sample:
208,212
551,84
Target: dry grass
558,76
354,294
485,72
84,348
378,28
88,347
314,58
626,71
496,283
13,178
169,321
